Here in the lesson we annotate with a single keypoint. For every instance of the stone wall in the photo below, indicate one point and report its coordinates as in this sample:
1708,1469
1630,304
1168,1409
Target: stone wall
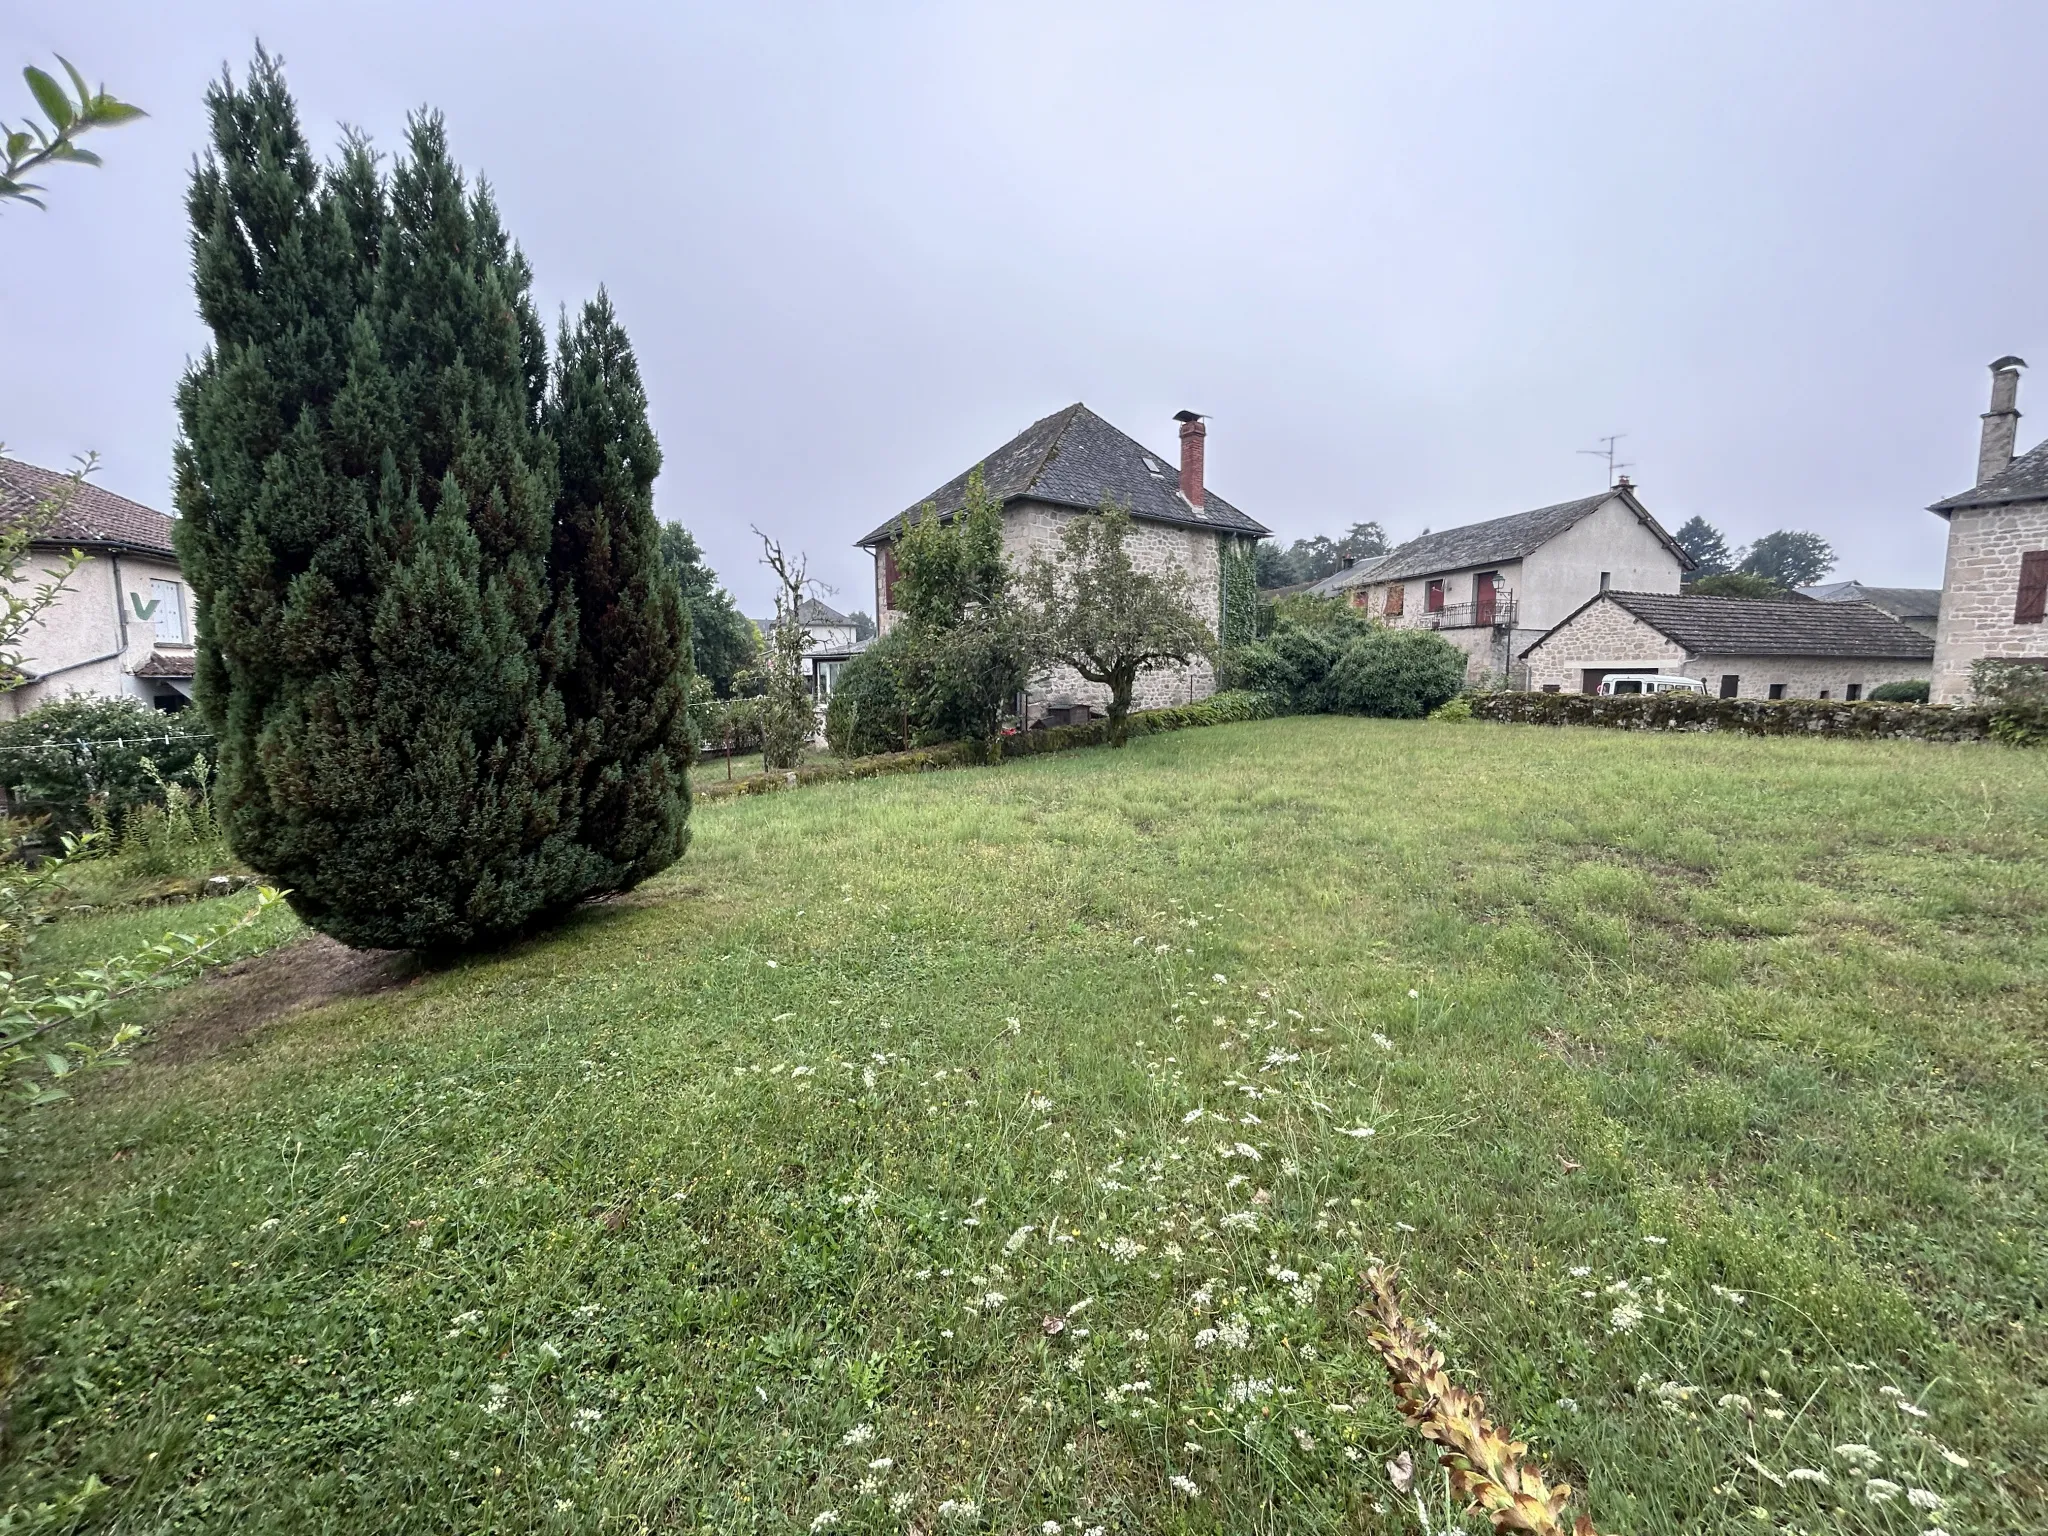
1979,590
1801,677
1752,717
1033,528
1604,635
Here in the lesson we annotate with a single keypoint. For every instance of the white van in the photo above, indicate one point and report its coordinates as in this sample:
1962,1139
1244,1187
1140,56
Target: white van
1648,682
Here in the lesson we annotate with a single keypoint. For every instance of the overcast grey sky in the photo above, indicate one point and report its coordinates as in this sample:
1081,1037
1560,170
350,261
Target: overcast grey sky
1408,257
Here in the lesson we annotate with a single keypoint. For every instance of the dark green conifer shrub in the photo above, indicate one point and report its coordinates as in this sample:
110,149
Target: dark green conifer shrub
626,690
387,638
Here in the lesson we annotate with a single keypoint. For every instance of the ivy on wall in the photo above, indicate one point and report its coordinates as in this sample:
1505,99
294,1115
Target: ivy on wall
1237,602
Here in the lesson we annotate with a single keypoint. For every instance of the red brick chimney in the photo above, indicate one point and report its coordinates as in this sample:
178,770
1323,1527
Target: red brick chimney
1192,435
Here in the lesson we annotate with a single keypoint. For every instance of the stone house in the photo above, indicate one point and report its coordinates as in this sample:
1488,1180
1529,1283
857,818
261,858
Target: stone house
1915,607
1994,591
1492,588
1062,467
1794,649
123,624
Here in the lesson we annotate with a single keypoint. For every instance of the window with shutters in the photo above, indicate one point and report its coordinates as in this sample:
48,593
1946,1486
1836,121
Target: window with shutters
169,597
888,575
1397,600
2033,598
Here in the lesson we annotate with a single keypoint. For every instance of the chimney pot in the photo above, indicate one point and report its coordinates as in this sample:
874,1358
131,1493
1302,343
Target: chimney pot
1193,434
2002,421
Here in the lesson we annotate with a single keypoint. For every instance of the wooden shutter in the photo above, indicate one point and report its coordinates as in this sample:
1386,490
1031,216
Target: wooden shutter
2033,598
888,575
1397,599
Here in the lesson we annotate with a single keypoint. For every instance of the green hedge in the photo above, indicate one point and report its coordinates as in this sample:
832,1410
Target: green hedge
2015,724
1218,709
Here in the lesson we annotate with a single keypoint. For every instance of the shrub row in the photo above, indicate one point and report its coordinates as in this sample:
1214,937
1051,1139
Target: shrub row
2015,724
1218,709
1329,659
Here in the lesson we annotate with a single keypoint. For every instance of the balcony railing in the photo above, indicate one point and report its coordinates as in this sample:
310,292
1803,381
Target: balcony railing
1498,614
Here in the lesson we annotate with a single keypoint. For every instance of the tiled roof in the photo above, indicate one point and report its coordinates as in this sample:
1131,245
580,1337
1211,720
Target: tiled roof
1073,458
2024,479
1899,602
1507,538
1356,574
176,664
1736,626
89,519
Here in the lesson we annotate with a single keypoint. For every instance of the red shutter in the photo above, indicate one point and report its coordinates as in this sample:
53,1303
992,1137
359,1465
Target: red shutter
888,575
2033,600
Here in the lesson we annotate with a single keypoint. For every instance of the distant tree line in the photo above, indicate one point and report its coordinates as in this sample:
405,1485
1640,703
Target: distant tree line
1312,559
1771,567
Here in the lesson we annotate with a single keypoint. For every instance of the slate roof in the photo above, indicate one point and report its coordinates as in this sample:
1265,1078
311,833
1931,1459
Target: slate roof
810,612
1736,626
1899,602
2024,479
1073,458
91,518
1508,538
1356,574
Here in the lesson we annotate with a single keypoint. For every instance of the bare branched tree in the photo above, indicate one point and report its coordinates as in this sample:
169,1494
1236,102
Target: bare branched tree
788,717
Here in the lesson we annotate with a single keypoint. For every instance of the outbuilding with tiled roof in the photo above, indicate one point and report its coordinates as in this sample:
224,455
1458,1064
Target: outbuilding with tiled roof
1796,648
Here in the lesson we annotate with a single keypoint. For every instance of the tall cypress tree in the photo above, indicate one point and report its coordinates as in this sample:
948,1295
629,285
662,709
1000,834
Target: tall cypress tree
369,522
626,688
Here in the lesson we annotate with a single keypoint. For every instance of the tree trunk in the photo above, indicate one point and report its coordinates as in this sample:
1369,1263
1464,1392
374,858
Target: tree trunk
1120,709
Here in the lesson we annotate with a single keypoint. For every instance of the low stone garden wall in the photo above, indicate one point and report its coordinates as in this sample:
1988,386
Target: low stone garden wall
1218,709
2015,724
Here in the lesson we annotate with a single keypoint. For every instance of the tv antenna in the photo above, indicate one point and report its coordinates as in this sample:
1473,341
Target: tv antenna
1606,451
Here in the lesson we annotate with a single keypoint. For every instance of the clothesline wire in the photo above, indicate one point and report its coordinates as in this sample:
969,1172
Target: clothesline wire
118,742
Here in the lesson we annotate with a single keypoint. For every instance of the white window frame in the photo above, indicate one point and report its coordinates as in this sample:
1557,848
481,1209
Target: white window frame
169,612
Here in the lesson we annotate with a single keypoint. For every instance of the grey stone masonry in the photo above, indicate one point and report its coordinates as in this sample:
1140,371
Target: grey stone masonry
1800,677
1604,636
1033,528
1980,593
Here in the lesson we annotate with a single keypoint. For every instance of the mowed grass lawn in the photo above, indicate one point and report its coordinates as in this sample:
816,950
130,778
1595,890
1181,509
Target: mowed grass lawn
989,1149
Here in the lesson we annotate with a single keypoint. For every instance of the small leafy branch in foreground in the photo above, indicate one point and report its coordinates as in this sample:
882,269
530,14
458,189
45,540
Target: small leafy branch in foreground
1492,1472
32,146
34,1009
